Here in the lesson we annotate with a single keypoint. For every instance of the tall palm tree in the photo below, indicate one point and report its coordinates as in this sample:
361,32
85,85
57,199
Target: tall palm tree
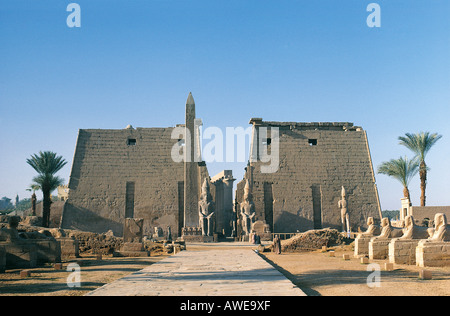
420,144
47,164
401,169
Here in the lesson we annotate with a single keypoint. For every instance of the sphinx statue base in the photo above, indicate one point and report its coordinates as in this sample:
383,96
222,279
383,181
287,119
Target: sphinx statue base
379,248
362,246
433,254
403,251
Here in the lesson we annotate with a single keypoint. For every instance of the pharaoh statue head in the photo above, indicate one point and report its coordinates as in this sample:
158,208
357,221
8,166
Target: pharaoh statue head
206,193
247,191
343,193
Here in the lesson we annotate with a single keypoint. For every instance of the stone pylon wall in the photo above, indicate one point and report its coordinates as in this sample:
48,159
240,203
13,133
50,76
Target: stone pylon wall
315,161
105,161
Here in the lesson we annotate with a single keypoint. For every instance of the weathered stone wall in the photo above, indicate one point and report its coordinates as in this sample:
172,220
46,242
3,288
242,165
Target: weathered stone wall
105,161
316,160
424,214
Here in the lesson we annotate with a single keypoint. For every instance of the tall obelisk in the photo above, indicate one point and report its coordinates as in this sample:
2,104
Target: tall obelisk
191,217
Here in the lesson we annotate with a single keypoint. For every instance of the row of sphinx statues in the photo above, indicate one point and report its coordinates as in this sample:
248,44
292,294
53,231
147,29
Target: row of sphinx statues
439,233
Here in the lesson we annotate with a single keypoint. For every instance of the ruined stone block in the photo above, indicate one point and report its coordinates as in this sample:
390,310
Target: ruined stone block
47,251
58,266
20,254
69,247
388,266
425,274
361,246
133,230
131,249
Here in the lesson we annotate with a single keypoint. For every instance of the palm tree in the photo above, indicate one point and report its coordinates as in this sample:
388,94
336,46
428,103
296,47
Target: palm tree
47,164
420,144
401,169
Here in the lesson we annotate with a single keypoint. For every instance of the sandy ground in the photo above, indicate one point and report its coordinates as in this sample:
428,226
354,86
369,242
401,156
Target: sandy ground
317,273
46,281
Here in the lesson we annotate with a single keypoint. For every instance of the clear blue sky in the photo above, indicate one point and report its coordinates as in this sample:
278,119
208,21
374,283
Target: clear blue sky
134,62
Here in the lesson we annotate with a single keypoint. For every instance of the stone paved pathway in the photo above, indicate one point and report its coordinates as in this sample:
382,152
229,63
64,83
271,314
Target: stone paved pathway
217,272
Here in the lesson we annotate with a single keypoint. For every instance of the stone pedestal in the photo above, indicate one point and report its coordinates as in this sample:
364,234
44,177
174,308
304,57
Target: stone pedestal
198,238
133,230
69,247
132,249
194,234
403,251
379,249
362,246
20,254
47,251
433,254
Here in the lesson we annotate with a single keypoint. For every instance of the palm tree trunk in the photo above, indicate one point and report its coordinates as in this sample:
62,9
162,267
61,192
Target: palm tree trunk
46,203
406,193
423,182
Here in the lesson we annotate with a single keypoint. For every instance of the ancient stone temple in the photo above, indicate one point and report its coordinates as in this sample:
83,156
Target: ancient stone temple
296,179
298,171
131,173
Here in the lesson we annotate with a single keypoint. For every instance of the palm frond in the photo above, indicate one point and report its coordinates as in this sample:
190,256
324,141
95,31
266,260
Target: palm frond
48,182
46,162
401,169
419,143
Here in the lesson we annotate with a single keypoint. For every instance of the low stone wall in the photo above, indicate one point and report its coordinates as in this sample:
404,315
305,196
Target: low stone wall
426,213
433,254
